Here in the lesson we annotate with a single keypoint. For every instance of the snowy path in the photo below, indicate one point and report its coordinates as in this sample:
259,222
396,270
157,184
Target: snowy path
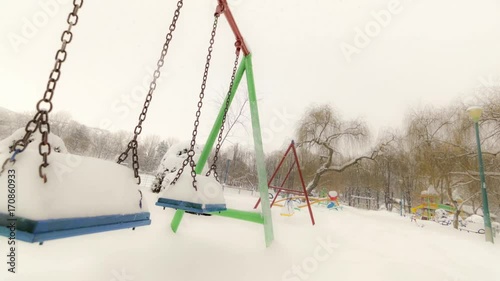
347,245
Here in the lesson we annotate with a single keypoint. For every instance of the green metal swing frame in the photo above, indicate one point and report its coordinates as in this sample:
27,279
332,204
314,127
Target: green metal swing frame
245,69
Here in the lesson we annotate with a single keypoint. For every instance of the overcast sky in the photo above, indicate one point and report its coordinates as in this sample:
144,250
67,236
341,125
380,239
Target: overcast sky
371,59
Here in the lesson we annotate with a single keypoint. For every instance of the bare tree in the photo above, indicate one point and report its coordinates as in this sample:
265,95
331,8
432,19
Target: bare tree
443,144
237,114
322,130
60,122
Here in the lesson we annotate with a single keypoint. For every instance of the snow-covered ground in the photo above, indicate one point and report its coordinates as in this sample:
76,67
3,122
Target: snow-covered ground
344,245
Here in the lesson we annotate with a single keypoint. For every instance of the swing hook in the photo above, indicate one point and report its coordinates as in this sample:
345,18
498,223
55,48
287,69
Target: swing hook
238,45
12,159
3,166
220,9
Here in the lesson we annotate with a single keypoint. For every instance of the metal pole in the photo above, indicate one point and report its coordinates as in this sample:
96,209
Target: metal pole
486,210
223,7
275,173
259,153
303,183
202,161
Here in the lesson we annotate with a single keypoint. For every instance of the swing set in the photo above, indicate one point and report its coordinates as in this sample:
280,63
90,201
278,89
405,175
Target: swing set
190,192
300,195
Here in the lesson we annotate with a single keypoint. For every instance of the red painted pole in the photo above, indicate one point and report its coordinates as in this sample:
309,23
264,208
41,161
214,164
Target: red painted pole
279,165
287,175
275,173
282,184
223,8
275,197
302,181
257,204
289,190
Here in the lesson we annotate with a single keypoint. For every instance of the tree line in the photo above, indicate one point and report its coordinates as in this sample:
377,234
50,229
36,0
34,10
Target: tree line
92,142
435,147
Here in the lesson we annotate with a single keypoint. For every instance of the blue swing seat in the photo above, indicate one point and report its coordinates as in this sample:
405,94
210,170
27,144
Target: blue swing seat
71,203
196,208
207,198
33,231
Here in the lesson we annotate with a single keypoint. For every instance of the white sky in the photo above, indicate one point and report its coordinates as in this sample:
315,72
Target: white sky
429,52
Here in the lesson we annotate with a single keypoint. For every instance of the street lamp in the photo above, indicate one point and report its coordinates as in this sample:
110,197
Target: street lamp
475,114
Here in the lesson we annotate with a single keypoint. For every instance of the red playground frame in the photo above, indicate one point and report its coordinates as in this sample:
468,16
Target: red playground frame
280,188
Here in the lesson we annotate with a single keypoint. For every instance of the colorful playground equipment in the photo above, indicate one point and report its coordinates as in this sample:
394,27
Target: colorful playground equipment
429,204
334,201
292,203
288,206
329,200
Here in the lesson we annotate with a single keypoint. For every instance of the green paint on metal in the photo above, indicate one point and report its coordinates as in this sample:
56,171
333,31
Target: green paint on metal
446,208
259,153
176,221
241,215
202,161
486,209
209,144
261,218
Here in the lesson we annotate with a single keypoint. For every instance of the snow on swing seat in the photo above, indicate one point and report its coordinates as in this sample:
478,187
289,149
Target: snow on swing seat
209,197
182,196
82,195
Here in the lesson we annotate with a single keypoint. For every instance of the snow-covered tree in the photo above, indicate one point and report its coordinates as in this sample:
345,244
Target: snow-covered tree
324,131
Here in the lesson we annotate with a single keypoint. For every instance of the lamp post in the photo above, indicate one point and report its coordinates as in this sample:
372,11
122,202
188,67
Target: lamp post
475,114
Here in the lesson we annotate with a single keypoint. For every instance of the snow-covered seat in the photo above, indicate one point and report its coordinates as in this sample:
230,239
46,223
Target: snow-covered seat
182,196
82,195
206,199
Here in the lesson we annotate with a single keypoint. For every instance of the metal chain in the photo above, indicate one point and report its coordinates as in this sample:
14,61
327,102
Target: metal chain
41,119
133,144
213,167
190,159
44,147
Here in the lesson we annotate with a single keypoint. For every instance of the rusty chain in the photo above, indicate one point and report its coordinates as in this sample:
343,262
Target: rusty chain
190,159
213,167
41,119
133,144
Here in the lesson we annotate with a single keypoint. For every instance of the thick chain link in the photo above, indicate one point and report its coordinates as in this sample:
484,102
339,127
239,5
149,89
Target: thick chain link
213,167
190,159
41,119
133,144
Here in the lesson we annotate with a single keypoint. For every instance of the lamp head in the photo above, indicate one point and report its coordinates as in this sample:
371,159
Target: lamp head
475,113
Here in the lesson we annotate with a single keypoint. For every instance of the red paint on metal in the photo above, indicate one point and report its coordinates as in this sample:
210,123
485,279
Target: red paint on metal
223,8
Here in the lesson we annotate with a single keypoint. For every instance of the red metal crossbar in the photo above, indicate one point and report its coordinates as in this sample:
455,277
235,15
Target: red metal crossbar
223,8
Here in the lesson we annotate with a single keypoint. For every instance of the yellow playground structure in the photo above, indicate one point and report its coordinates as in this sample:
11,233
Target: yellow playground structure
429,204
